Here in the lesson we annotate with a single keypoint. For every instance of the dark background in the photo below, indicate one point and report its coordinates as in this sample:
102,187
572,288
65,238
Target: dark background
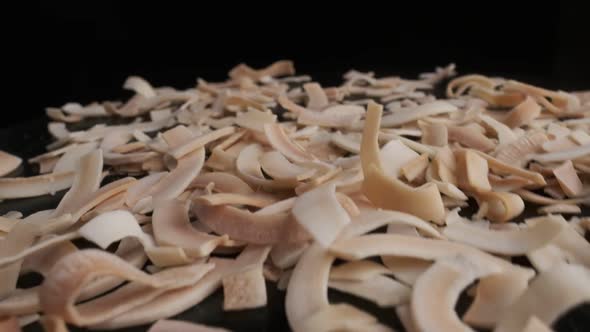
62,51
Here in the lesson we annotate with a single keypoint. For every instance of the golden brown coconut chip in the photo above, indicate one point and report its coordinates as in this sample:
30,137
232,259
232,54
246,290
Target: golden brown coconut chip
381,189
168,325
512,243
548,296
437,290
568,179
317,99
472,171
59,291
493,295
171,226
501,206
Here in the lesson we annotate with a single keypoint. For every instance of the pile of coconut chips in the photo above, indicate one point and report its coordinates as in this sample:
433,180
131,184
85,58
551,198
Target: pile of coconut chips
271,176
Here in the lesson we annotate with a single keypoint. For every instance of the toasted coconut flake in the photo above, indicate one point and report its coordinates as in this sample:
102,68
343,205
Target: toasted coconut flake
493,295
59,290
8,163
320,213
505,134
435,134
501,167
436,292
534,324
543,200
223,182
167,325
472,171
513,243
568,179
560,209
380,189
416,167
245,226
358,271
199,142
139,86
254,119
279,68
285,255
249,169
282,143
245,289
317,98
382,290
53,324
255,200
569,285
574,153
10,324
523,114
57,115
35,185
471,138
515,152
412,114
502,206
278,167
338,116
172,227
346,142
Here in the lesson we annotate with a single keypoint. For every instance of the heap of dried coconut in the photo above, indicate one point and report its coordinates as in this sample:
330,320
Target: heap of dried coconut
289,176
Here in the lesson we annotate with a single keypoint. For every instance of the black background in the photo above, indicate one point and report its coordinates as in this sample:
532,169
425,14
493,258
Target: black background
60,51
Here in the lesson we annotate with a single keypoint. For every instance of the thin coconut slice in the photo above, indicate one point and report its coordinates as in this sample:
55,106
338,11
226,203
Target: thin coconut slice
338,317
412,114
53,324
278,167
416,168
504,133
33,186
381,189
437,290
501,167
254,119
282,143
176,301
513,243
279,68
286,255
560,209
139,86
523,114
171,226
382,290
59,290
199,142
568,246
245,289
338,116
316,97
493,295
404,314
435,134
10,324
8,163
358,271
253,228
167,325
472,171
470,138
534,324
136,191
256,200
346,142
319,212
223,182
249,169
543,200
568,179
548,296
574,153
515,152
